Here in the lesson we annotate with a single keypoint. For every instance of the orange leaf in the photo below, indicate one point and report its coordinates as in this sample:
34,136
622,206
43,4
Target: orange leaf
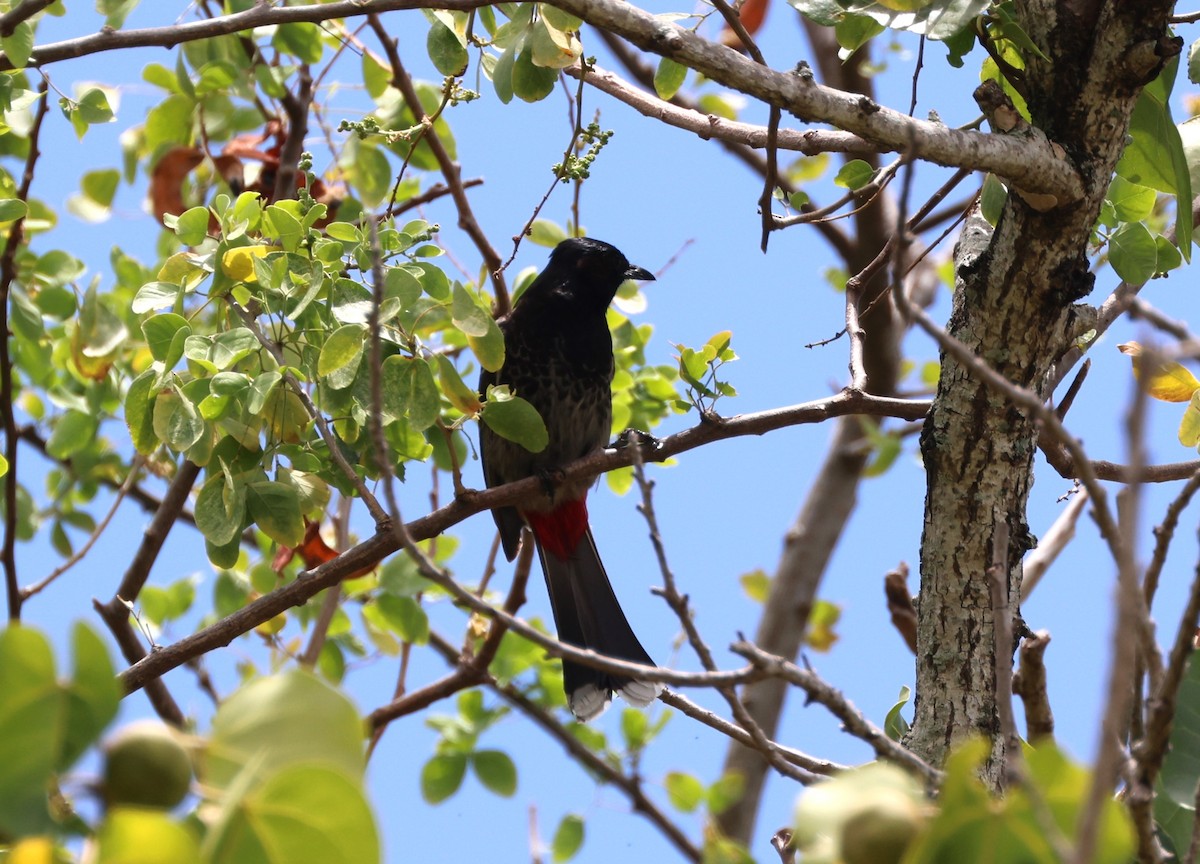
752,13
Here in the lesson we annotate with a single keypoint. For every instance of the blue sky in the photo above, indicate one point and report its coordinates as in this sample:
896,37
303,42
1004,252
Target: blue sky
723,509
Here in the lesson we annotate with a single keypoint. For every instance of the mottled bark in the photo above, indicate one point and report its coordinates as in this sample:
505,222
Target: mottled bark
1014,301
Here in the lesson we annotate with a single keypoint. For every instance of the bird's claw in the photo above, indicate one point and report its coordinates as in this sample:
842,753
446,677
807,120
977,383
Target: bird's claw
551,479
636,437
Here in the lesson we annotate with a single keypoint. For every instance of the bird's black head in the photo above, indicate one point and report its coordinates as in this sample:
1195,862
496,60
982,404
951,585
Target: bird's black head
588,272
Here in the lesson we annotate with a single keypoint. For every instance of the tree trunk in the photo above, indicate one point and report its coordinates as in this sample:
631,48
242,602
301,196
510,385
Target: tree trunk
1014,307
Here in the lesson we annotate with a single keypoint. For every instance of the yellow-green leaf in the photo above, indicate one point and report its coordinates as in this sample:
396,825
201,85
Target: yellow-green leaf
1170,382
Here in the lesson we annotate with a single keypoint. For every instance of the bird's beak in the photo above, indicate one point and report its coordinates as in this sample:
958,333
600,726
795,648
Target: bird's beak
639,273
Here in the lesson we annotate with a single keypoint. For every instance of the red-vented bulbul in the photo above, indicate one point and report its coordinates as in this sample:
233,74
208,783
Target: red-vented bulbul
558,356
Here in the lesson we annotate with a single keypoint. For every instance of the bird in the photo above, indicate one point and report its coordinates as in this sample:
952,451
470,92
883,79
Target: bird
558,356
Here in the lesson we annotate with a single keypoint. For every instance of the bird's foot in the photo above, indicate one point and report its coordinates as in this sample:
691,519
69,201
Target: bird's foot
636,438
551,479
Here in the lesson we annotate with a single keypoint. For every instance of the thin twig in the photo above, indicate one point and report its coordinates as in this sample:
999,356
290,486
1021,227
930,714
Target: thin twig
8,272
135,468
327,435
449,168
737,733
583,755
853,720
374,549
680,606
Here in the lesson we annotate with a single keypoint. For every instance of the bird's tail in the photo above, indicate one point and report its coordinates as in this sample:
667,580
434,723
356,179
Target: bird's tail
587,614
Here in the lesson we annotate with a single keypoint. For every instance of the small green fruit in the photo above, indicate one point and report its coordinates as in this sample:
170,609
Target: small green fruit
145,765
881,831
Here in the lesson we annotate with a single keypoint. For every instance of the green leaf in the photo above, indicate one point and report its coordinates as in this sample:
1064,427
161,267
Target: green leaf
341,355
405,616
220,509
192,226
409,390
19,46
669,77
553,48
47,724
92,696
530,82
233,346
139,413
74,431
502,74
568,838
31,726
153,296
301,812
1133,253
177,423
496,771
370,173
274,723
442,776
992,199
854,175
543,232
161,332
300,39
757,585
1169,257
275,508
12,209
1155,156
854,31
635,729
936,20
461,396
100,331
140,835
894,723
726,792
514,419
685,791
282,225
483,335
1131,202
447,51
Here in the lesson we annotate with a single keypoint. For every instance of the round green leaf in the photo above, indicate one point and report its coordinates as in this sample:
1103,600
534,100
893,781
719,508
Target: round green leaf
304,812
855,174
685,791
669,77
496,771
409,389
442,775
446,50
275,508
74,431
139,414
30,729
284,720
513,418
176,421
531,82
568,838
12,209
1133,252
